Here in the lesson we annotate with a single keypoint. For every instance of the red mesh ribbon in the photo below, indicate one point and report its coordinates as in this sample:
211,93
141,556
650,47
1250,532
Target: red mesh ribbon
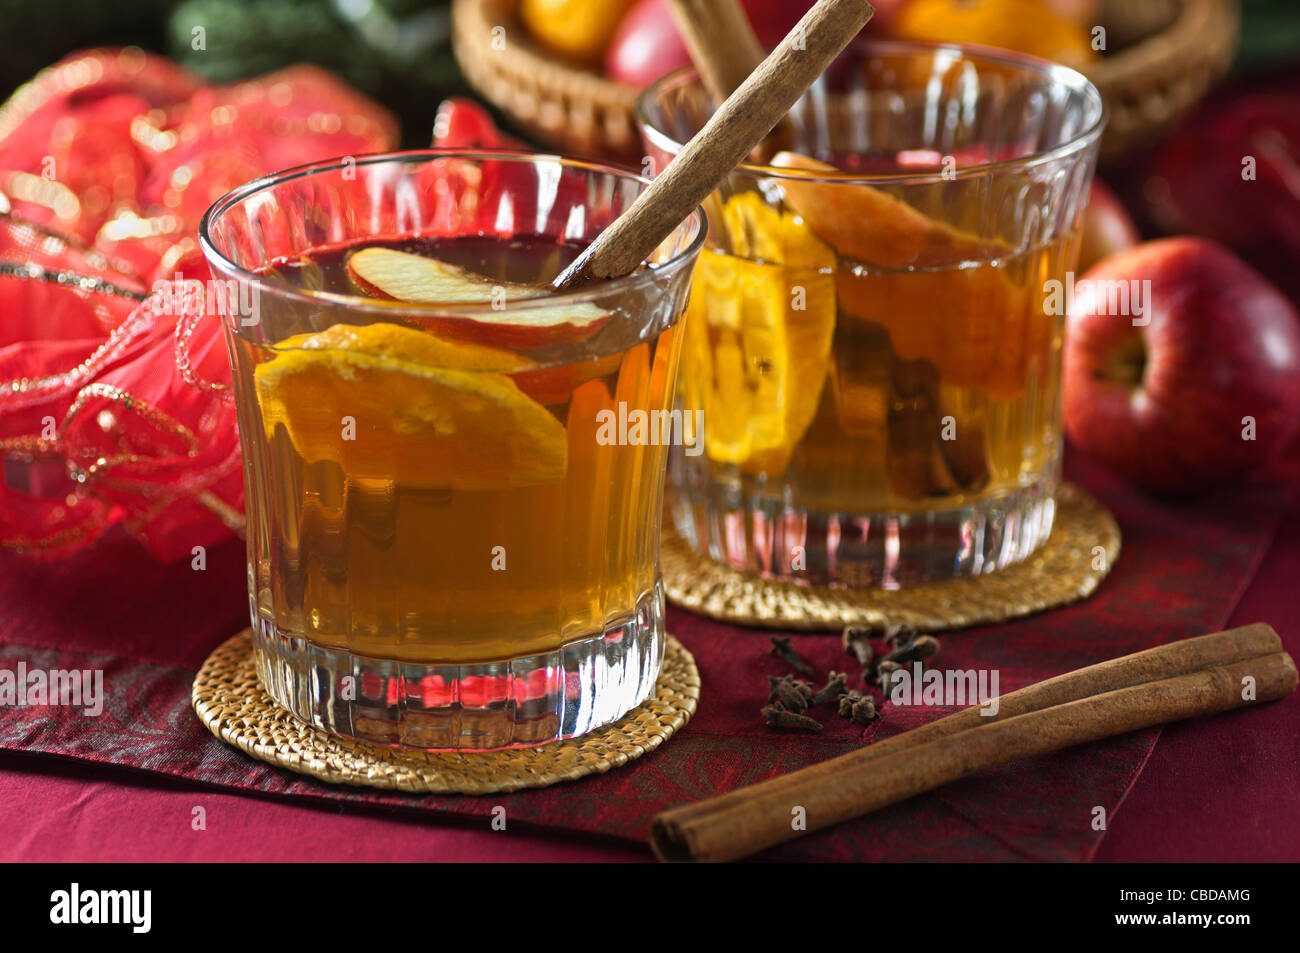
113,400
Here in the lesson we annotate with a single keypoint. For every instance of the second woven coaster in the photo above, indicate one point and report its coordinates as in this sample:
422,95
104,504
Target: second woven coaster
1060,572
229,700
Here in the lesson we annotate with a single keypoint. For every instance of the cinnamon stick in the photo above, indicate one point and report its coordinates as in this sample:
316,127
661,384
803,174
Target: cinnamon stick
725,50
720,41
732,131
1181,680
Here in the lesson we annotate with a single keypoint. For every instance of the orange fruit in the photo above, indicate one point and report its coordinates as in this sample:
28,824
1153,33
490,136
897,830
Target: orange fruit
1035,27
757,336
393,403
578,29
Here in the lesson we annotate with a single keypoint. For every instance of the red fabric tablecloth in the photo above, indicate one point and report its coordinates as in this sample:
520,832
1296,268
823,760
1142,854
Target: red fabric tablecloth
1222,788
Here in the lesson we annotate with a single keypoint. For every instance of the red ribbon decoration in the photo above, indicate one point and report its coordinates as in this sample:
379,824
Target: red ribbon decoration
114,408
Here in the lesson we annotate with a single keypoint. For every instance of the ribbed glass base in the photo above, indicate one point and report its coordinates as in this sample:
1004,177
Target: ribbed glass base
507,703
863,550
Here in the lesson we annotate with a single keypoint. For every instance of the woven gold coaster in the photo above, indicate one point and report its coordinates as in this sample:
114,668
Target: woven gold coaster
1065,569
230,701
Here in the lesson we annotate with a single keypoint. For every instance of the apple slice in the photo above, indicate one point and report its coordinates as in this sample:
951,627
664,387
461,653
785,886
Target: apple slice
403,276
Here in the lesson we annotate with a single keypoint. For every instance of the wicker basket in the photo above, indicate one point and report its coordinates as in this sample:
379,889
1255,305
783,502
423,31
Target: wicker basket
562,105
1172,52
1152,84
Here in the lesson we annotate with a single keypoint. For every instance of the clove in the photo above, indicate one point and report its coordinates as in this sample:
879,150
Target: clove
856,641
782,648
836,684
774,716
885,668
858,707
899,634
793,693
916,649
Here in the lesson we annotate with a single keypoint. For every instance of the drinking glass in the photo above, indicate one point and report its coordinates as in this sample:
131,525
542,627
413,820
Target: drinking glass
874,339
448,545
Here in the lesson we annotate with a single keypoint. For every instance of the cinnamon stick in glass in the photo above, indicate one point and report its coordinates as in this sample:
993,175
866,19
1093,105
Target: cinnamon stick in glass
737,126
722,45
1184,679
720,40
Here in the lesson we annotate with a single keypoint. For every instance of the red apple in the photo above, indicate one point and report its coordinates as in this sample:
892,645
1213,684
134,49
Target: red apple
1232,173
1169,398
1107,226
646,44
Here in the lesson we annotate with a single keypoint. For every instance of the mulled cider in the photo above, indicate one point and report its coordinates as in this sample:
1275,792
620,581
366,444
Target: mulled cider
441,504
873,337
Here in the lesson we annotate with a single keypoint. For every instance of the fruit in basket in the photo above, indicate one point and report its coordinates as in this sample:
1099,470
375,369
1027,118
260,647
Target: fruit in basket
1107,227
1203,386
576,29
647,44
1035,27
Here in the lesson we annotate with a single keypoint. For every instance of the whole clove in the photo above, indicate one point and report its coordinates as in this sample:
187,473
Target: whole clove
898,635
774,716
782,648
856,642
793,693
884,669
916,649
847,701
858,707
836,684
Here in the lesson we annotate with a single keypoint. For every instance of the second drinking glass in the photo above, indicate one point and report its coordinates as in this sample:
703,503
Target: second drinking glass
873,337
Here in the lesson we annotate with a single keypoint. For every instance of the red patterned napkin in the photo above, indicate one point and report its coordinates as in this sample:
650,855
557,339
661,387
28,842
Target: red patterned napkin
1181,572
112,409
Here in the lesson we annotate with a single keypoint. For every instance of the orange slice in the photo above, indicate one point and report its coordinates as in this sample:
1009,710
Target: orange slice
393,403
862,222
978,326
757,336
404,276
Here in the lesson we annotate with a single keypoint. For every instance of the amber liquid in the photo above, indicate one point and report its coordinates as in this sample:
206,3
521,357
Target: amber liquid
918,395
431,569
881,390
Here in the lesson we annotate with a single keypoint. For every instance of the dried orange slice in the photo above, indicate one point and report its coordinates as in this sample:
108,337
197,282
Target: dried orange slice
758,336
390,402
976,324
862,222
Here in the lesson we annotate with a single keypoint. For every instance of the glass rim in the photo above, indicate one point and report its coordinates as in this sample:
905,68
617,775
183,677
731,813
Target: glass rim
590,292
1056,71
